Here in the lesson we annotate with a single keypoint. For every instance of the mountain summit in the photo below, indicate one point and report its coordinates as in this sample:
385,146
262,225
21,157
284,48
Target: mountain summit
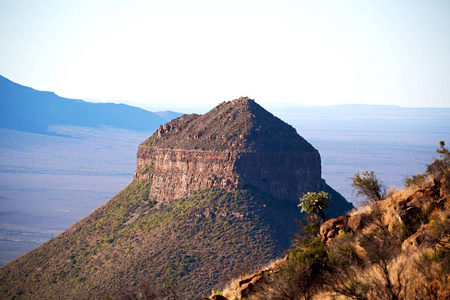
211,194
238,125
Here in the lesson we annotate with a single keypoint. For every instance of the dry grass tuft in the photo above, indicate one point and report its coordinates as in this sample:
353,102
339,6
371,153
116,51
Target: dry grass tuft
366,209
405,192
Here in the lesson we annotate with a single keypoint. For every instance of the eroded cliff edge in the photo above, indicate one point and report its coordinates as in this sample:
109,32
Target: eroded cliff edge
178,173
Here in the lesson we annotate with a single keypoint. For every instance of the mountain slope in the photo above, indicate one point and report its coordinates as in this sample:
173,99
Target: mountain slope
189,219
25,109
188,246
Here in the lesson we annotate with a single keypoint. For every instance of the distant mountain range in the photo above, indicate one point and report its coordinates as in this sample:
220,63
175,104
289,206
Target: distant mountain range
26,109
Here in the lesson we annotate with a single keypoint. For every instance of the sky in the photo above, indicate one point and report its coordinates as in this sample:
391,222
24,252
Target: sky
169,53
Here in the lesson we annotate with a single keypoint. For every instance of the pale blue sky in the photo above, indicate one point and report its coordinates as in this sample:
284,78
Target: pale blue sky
166,52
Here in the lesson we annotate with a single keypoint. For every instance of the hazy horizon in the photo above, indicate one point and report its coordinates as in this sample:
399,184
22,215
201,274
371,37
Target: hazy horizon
200,53
203,108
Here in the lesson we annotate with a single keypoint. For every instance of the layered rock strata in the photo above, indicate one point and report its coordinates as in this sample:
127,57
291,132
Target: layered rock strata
236,144
178,173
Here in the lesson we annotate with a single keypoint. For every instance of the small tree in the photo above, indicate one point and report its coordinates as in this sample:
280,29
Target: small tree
366,184
444,152
315,203
440,165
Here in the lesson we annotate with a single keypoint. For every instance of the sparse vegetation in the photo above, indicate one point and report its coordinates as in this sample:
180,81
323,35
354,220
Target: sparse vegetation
149,169
437,166
402,252
414,180
240,125
367,185
302,275
186,247
440,165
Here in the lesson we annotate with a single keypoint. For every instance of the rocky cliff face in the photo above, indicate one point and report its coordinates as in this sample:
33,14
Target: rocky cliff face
179,173
236,144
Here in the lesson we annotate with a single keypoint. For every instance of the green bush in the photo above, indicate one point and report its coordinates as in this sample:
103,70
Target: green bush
414,180
312,254
303,274
315,203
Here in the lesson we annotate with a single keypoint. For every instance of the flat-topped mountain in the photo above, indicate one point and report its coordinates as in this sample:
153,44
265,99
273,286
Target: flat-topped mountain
211,194
237,143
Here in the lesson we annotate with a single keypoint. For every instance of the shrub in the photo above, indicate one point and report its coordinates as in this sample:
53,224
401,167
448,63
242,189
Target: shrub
315,203
302,275
343,251
440,165
414,180
366,184
370,274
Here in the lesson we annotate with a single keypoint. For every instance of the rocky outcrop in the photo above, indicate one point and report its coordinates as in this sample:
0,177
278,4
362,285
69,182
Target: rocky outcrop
236,144
333,227
255,282
415,240
357,222
408,212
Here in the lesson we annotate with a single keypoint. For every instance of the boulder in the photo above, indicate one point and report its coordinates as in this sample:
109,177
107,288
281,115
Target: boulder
357,222
415,240
334,226
250,285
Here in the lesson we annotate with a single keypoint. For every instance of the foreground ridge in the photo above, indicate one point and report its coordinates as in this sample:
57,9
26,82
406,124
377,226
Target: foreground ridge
396,248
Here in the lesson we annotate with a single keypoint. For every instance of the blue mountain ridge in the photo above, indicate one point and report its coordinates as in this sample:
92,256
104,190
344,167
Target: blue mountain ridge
25,109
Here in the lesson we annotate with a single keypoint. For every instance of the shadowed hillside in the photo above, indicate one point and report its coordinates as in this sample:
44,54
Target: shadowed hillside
187,247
